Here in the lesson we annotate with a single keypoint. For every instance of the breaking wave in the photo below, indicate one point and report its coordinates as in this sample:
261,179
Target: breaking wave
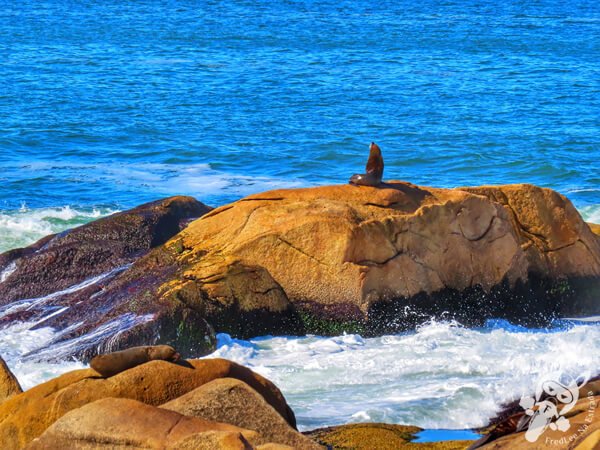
441,376
24,226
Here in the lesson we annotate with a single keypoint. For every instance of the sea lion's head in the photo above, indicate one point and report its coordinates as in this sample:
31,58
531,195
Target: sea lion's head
356,179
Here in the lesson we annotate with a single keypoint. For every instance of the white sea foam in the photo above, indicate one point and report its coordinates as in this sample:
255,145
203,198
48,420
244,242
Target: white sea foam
101,338
19,339
24,226
591,213
36,354
442,376
30,303
8,271
198,180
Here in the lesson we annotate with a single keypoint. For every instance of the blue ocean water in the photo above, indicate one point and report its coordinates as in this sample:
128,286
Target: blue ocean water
108,104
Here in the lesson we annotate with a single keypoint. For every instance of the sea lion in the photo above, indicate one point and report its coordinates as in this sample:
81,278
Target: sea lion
113,363
374,169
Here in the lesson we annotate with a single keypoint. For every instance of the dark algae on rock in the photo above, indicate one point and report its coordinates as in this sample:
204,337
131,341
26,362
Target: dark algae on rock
66,259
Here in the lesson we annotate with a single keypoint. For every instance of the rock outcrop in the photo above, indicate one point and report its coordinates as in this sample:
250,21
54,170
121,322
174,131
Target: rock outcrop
60,261
230,400
9,385
26,416
129,424
321,260
383,259
62,281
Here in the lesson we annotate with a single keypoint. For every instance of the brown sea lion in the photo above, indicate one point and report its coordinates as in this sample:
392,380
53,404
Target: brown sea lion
113,363
374,169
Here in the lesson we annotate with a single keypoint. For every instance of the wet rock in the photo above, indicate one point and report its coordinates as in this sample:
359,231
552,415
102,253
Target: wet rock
60,261
125,311
87,282
26,416
233,401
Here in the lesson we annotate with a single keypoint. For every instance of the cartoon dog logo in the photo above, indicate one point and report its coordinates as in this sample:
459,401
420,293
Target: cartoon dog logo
553,399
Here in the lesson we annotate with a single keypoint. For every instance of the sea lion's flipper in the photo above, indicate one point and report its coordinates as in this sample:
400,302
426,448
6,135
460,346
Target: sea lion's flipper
374,169
375,162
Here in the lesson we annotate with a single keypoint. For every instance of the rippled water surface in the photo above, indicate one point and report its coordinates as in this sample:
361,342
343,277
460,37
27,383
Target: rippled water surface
107,104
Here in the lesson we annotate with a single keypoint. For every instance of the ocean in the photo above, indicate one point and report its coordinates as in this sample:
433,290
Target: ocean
106,105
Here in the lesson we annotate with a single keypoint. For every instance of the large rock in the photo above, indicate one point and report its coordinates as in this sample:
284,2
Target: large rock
26,416
382,259
327,260
129,424
60,261
233,401
78,282
9,385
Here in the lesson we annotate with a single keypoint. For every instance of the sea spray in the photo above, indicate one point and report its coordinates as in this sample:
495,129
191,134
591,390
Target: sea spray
441,376
24,226
591,213
32,303
36,353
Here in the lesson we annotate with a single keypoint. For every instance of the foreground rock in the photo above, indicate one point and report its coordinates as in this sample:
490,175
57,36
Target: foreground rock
233,401
129,424
9,385
380,436
26,416
379,260
61,281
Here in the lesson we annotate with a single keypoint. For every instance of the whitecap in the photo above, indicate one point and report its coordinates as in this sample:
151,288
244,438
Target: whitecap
441,376
22,227
591,213
8,271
